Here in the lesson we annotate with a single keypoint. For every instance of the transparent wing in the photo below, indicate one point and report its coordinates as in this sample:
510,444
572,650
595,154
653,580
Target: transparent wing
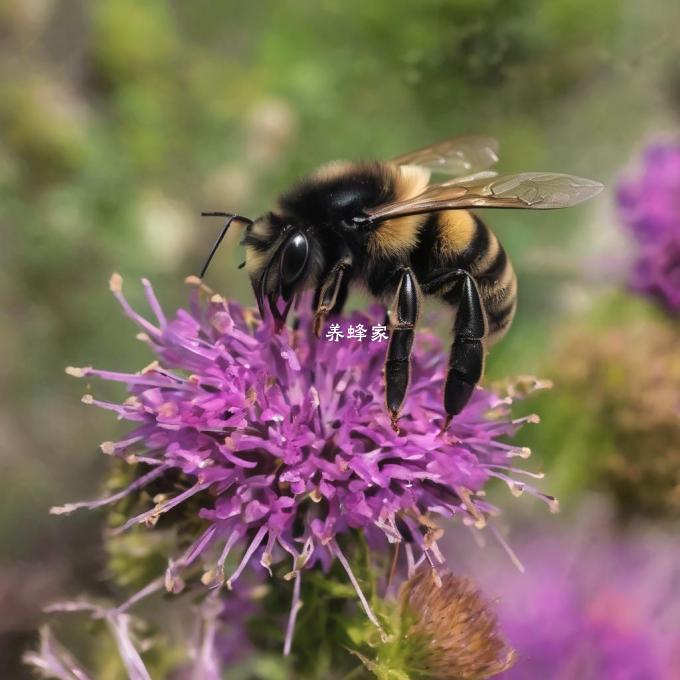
533,190
458,156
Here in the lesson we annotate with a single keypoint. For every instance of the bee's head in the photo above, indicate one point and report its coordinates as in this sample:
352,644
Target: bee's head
282,259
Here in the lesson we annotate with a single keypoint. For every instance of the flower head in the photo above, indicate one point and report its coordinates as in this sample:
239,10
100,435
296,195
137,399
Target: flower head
454,628
628,379
284,444
650,207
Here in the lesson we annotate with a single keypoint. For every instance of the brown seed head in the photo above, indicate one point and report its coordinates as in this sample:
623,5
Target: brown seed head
456,629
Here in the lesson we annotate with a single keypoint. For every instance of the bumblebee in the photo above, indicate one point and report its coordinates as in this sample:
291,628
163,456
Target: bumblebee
386,227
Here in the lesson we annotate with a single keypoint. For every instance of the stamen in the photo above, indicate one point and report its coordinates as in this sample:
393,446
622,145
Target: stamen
76,606
197,546
266,560
120,627
207,663
127,411
147,376
254,545
235,535
116,283
506,546
391,532
295,607
116,286
53,660
153,514
114,498
77,372
466,497
393,567
109,448
410,560
153,303
149,589
335,548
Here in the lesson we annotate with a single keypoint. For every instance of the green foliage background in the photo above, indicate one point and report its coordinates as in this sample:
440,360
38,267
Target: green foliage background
120,120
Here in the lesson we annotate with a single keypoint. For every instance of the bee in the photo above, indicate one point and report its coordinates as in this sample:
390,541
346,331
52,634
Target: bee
385,226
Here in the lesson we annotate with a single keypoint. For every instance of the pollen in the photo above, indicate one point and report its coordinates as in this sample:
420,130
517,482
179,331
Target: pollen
116,283
75,371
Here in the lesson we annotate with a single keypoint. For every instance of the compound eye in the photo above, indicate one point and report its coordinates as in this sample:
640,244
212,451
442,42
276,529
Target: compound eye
293,260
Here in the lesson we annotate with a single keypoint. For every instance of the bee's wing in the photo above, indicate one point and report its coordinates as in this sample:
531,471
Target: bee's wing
534,190
458,156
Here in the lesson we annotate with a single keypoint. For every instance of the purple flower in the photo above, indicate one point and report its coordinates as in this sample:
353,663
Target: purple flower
591,604
650,207
285,443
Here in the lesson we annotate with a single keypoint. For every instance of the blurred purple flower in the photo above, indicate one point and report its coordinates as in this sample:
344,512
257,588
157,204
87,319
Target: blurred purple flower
211,650
650,207
289,440
53,660
591,604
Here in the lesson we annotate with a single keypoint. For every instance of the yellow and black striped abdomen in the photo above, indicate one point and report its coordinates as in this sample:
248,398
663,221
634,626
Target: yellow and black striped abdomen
463,241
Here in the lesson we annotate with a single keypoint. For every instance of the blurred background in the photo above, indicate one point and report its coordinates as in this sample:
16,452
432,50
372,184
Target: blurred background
120,121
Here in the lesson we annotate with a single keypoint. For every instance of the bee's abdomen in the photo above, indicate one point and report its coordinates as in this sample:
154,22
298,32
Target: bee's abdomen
499,296
465,242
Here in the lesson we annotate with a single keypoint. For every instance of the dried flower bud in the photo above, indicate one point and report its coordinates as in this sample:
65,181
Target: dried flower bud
454,627
629,379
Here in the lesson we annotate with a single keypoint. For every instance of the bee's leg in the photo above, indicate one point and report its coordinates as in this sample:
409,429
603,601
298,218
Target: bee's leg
466,363
341,298
331,295
403,317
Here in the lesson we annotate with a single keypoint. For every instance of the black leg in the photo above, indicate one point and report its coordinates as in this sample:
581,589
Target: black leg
466,363
331,295
403,317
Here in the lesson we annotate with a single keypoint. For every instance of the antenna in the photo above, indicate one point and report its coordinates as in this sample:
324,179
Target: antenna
230,218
